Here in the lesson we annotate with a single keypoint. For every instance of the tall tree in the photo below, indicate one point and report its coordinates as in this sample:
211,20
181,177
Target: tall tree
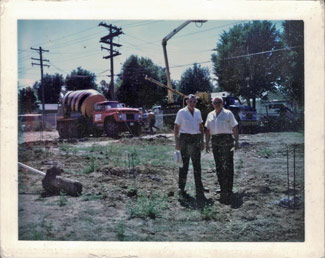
195,79
245,62
134,90
81,79
27,100
52,87
104,88
293,62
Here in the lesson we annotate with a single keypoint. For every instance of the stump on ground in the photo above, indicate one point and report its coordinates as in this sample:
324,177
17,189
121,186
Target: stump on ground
55,184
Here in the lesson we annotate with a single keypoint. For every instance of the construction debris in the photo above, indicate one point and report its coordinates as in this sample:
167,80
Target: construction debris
54,184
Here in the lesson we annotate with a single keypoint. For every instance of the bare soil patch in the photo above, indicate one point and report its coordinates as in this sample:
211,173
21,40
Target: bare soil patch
130,191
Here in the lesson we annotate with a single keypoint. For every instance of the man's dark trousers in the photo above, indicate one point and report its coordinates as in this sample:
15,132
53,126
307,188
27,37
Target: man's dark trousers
224,159
190,147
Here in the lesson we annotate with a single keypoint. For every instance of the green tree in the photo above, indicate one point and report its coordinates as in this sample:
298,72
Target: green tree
52,87
292,79
195,79
27,100
134,90
104,89
81,79
245,63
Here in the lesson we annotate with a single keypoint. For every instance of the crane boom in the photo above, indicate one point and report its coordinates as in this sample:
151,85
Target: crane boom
164,44
165,86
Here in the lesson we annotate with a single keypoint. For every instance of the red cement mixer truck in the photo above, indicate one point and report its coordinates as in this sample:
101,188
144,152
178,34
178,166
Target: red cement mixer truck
87,112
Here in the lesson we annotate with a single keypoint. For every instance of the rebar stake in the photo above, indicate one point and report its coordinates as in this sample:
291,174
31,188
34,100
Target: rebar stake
294,177
288,171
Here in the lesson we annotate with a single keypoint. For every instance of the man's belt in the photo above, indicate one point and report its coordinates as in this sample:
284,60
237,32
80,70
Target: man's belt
188,134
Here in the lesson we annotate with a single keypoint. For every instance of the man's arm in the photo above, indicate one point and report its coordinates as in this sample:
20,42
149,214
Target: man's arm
176,134
236,135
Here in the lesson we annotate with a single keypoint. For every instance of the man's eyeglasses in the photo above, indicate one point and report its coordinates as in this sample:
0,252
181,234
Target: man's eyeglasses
217,102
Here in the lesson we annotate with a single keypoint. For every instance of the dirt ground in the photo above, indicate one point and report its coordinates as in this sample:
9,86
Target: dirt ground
139,201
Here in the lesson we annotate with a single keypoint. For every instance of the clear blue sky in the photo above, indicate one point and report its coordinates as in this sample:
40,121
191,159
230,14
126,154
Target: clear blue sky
74,43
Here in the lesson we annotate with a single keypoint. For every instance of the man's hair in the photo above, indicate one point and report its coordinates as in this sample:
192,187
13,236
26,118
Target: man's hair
191,96
219,98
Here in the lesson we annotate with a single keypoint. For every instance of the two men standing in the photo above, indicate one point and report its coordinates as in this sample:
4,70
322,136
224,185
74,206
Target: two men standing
189,132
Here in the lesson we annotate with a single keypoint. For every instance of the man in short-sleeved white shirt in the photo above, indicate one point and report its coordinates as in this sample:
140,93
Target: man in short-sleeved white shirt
222,125
189,132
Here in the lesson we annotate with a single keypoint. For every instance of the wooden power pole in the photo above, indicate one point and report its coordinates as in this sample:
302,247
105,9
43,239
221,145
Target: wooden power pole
41,60
108,39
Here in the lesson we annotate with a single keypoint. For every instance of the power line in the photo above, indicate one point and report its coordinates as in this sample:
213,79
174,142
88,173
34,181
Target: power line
260,53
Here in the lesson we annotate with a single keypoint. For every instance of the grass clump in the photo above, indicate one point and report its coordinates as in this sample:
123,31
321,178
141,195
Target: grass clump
210,213
266,153
120,231
92,167
63,199
146,207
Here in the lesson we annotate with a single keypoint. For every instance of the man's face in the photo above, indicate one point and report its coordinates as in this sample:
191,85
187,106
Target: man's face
191,103
217,103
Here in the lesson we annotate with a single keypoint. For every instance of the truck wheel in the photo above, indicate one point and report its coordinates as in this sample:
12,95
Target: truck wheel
62,131
111,128
97,132
136,130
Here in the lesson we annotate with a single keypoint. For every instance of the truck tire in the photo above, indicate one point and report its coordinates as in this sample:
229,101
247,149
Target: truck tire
136,130
111,128
63,133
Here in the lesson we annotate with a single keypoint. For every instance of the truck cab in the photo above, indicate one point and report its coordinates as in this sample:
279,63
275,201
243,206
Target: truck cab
114,117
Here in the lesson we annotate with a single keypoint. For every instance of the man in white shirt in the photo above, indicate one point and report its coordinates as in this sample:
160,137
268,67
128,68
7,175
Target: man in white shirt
222,125
189,133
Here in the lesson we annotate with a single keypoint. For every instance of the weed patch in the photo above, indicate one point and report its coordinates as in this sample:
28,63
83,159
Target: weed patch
146,207
63,199
120,231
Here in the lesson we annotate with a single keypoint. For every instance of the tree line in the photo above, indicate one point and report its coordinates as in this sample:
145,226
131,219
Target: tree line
249,59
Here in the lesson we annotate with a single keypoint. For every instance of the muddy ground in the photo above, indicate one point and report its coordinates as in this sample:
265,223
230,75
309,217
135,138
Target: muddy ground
132,196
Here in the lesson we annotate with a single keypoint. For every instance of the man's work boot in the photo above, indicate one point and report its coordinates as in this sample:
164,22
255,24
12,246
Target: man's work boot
183,194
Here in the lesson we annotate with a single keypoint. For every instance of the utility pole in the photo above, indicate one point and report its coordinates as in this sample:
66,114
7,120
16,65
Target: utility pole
108,39
41,60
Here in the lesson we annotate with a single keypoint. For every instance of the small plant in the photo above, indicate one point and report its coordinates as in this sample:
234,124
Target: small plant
146,206
64,147
210,213
120,231
240,165
92,197
37,236
266,152
63,199
92,167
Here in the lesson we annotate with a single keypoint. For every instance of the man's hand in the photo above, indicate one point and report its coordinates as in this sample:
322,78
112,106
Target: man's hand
202,146
177,146
236,145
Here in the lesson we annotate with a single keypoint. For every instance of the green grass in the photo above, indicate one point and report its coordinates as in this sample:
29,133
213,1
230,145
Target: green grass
240,164
120,231
129,155
63,199
146,207
266,153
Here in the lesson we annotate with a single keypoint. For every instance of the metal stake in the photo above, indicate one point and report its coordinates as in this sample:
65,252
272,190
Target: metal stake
288,171
294,177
